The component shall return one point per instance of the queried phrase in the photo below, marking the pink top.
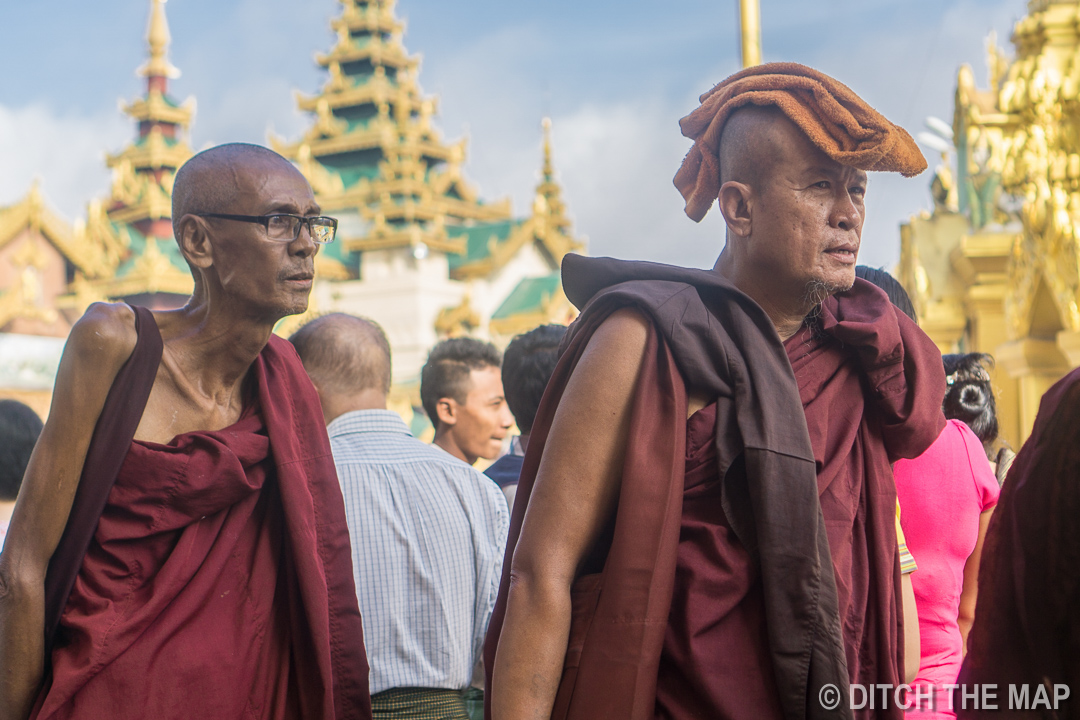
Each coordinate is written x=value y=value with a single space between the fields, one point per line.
x=942 y=493
x=3 y=533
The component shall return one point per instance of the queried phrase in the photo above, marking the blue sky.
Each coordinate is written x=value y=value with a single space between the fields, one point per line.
x=614 y=77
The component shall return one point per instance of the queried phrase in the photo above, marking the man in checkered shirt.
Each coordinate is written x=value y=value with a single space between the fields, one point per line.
x=428 y=531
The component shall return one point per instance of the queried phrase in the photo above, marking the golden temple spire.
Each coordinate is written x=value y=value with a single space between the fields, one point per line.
x=548 y=201
x=750 y=25
x=158 y=38
x=548 y=169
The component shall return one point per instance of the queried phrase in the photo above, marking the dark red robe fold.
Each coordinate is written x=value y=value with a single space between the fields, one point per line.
x=871 y=385
x=219 y=582
x=715 y=661
x=1027 y=618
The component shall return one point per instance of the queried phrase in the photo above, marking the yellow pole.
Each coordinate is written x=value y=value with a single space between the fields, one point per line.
x=750 y=20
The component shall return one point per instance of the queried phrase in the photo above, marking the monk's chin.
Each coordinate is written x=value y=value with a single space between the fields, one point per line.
x=818 y=291
x=293 y=308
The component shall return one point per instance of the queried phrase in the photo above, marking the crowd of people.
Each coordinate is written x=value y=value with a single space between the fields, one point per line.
x=756 y=491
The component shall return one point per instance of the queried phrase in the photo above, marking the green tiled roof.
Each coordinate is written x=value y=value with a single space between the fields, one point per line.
x=352 y=166
x=529 y=296
x=478 y=237
x=169 y=141
x=167 y=247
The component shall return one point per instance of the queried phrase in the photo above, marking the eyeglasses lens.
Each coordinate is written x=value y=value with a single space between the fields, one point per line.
x=287 y=227
x=322 y=229
x=282 y=227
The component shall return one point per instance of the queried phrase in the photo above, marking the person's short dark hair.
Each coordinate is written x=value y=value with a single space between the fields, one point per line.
x=344 y=353
x=892 y=287
x=528 y=362
x=446 y=372
x=19 y=430
x=970 y=396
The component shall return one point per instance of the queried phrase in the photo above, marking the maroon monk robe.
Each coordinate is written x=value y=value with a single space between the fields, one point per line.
x=871 y=384
x=711 y=326
x=1027 y=618
x=219 y=581
x=727 y=348
x=715 y=661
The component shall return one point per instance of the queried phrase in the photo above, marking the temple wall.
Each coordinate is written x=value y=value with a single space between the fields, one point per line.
x=34 y=270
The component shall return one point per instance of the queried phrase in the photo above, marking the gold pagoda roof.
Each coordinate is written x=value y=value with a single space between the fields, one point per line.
x=373 y=149
x=89 y=255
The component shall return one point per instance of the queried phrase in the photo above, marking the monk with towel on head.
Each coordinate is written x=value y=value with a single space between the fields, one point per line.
x=705 y=525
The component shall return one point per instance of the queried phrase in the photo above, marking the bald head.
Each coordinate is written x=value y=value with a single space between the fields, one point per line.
x=211 y=180
x=750 y=144
x=345 y=356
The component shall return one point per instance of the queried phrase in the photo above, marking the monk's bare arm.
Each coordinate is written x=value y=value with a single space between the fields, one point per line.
x=574 y=495
x=970 y=591
x=98 y=346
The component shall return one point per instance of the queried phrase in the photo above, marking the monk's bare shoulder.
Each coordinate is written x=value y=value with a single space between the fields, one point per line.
x=102 y=340
x=618 y=346
x=97 y=347
x=621 y=338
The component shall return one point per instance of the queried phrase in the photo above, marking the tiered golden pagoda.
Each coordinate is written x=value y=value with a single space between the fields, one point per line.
x=1002 y=273
x=377 y=162
x=135 y=222
x=373 y=155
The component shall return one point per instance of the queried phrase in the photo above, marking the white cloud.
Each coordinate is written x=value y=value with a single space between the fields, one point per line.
x=65 y=152
x=617 y=164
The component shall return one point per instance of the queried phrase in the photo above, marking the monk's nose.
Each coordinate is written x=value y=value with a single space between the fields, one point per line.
x=304 y=245
x=846 y=214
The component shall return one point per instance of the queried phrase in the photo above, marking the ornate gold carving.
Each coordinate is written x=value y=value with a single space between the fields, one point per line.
x=25 y=298
x=88 y=255
x=1041 y=95
x=457 y=321
x=81 y=295
x=1016 y=264
x=154 y=108
x=323 y=182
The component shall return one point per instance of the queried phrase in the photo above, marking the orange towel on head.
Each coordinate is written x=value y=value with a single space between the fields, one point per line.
x=834 y=118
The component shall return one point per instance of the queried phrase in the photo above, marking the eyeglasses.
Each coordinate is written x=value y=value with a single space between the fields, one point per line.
x=285 y=227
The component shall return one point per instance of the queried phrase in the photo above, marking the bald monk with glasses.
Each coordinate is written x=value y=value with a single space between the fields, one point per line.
x=179 y=547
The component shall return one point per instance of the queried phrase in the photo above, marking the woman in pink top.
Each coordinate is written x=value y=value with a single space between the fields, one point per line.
x=947 y=495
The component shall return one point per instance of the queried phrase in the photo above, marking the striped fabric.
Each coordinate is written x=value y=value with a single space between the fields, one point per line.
x=418 y=704
x=428 y=535
x=907 y=560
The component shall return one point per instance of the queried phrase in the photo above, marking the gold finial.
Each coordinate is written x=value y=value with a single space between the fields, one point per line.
x=547 y=203
x=34 y=196
x=750 y=20
x=157 y=37
x=996 y=61
x=548 y=169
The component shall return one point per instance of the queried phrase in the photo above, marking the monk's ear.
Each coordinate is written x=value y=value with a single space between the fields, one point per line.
x=194 y=240
x=446 y=409
x=734 y=201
